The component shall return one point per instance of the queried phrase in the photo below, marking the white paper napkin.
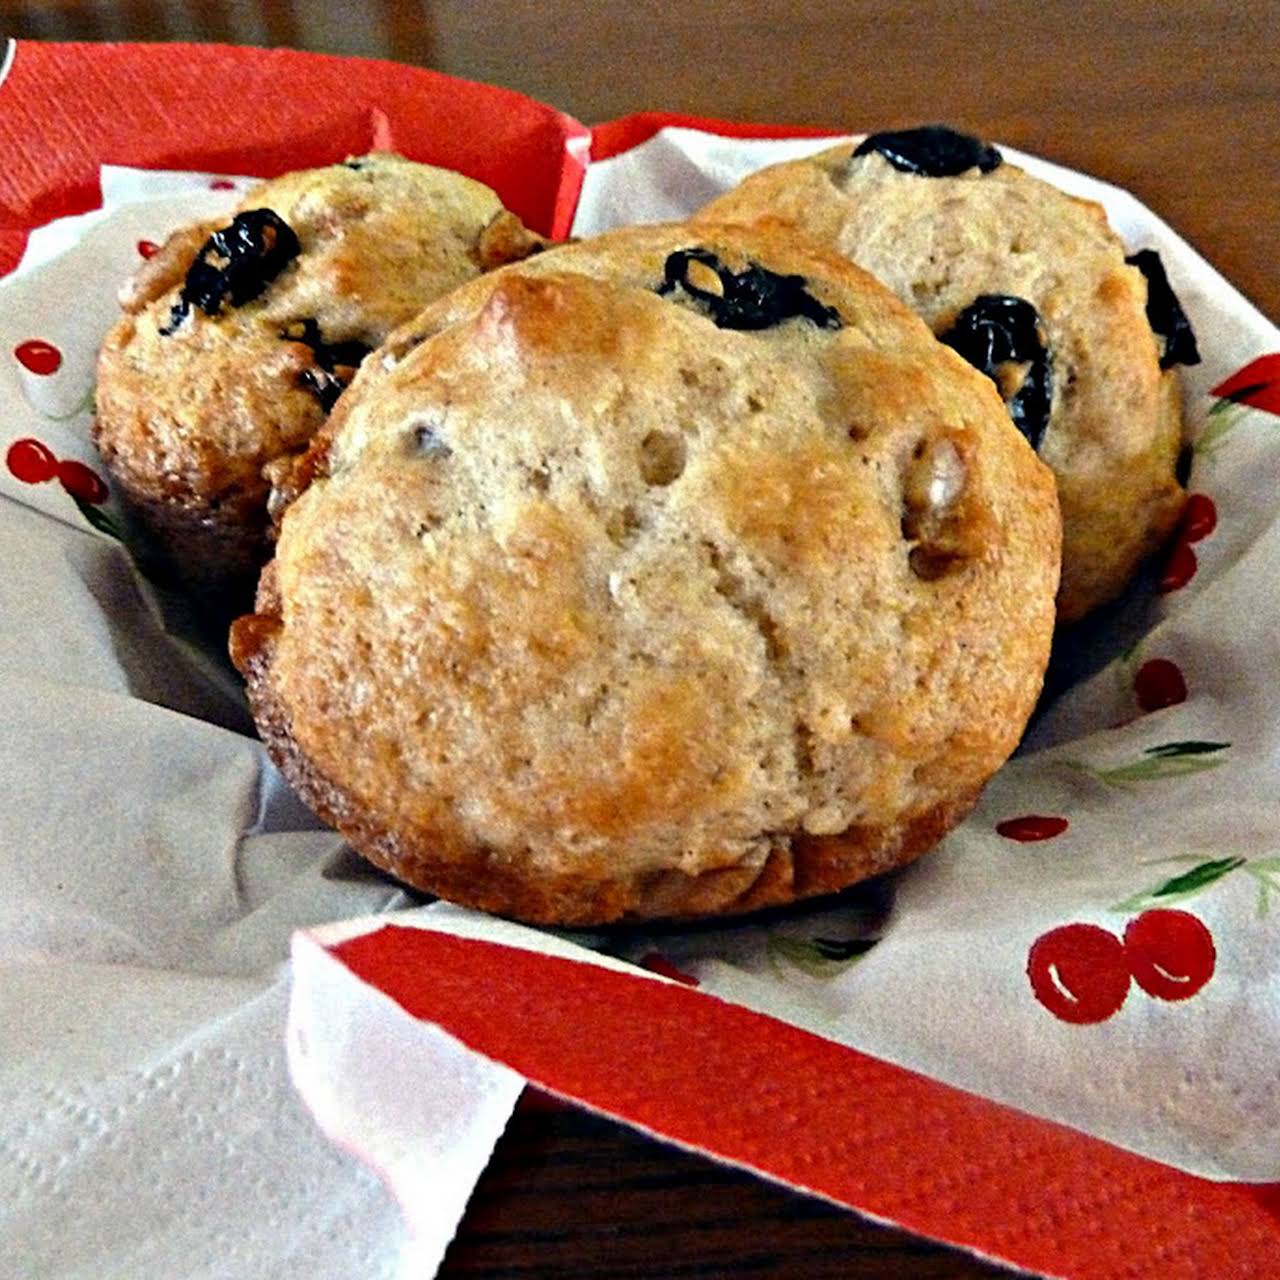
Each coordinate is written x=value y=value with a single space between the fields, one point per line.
x=1168 y=815
x=153 y=866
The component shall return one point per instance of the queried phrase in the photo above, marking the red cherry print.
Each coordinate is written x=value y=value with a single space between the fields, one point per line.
x=1170 y=953
x=38 y=356
x=655 y=962
x=222 y=184
x=1079 y=972
x=1159 y=683
x=147 y=248
x=80 y=482
x=1199 y=517
x=1032 y=826
x=1180 y=569
x=1257 y=384
x=30 y=461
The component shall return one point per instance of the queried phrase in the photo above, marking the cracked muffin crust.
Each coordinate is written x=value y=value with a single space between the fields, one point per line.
x=676 y=572
x=964 y=238
x=235 y=340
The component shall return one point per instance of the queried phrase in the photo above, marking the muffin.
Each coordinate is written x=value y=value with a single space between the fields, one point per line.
x=1033 y=287
x=672 y=573
x=235 y=341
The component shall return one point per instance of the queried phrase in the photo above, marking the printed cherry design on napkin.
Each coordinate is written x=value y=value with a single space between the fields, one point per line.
x=1255 y=386
x=1170 y=953
x=1159 y=683
x=1178 y=570
x=656 y=962
x=83 y=484
x=37 y=356
x=40 y=359
x=1082 y=973
x=31 y=461
x=1079 y=972
x=1032 y=827
x=147 y=248
x=1199 y=520
x=1075 y=969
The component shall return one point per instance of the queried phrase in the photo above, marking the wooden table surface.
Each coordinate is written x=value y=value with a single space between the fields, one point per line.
x=1178 y=101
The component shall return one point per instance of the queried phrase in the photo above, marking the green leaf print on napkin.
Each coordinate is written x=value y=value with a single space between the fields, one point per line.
x=1168 y=760
x=818 y=957
x=98 y=518
x=1202 y=875
x=1218 y=423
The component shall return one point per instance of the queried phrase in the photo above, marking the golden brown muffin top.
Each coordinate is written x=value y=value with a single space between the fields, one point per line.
x=1114 y=427
x=598 y=586
x=193 y=402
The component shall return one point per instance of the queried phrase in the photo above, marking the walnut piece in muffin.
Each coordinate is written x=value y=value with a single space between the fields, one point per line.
x=1032 y=286
x=676 y=572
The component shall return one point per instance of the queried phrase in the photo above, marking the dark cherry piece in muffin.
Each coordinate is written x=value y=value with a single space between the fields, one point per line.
x=1033 y=287
x=237 y=339
x=672 y=573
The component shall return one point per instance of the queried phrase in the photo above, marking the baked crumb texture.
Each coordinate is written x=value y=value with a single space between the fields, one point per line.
x=1114 y=428
x=629 y=585
x=229 y=354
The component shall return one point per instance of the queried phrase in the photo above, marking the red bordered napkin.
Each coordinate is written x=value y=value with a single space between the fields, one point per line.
x=735 y=1084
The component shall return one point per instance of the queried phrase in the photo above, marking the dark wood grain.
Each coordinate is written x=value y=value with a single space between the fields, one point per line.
x=642 y=1209
x=1177 y=101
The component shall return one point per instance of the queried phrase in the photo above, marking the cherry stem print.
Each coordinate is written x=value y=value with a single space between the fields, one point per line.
x=1219 y=422
x=1266 y=871
x=1168 y=760
x=1203 y=873
x=86 y=404
x=1256 y=386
